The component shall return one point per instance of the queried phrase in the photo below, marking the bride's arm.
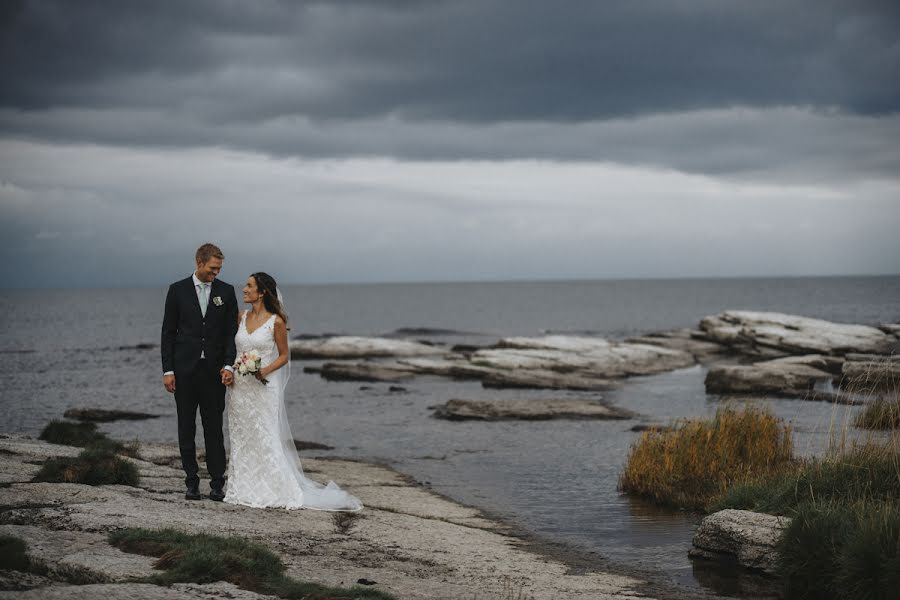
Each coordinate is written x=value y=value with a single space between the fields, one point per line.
x=281 y=342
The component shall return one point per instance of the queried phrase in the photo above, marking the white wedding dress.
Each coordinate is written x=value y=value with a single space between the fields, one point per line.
x=263 y=469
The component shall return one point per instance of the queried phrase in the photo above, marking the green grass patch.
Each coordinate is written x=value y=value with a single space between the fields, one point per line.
x=844 y=538
x=698 y=460
x=201 y=558
x=12 y=554
x=839 y=551
x=881 y=413
x=84 y=435
x=96 y=465
x=870 y=472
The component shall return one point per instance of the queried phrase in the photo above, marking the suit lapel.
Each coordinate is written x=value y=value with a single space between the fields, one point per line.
x=191 y=292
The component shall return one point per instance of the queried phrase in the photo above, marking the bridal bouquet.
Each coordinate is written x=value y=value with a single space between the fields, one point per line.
x=249 y=363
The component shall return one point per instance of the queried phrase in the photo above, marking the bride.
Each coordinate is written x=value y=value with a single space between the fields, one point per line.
x=264 y=470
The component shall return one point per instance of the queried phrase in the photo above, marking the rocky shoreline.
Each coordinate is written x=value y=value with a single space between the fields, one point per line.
x=414 y=543
x=746 y=352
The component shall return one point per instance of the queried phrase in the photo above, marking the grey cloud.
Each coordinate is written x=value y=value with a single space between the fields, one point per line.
x=457 y=60
x=87 y=215
x=780 y=144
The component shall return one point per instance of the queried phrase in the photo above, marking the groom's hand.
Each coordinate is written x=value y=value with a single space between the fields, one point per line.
x=227 y=377
x=169 y=382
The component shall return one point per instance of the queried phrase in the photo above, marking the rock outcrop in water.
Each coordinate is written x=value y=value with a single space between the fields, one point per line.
x=551 y=362
x=344 y=347
x=769 y=334
x=528 y=409
x=691 y=341
x=815 y=359
x=792 y=356
x=810 y=377
x=596 y=357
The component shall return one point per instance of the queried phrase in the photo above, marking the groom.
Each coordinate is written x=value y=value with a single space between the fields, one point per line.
x=197 y=353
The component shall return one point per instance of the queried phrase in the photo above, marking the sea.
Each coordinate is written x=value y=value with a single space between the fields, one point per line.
x=555 y=481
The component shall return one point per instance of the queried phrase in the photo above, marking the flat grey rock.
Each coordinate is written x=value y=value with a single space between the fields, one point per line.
x=685 y=340
x=746 y=536
x=414 y=543
x=527 y=410
x=791 y=377
x=78 y=556
x=592 y=356
x=543 y=379
x=358 y=347
x=759 y=333
x=17 y=580
x=16 y=471
x=364 y=371
x=36 y=450
x=138 y=591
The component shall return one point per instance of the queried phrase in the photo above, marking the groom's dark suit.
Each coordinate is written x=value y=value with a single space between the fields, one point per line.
x=186 y=336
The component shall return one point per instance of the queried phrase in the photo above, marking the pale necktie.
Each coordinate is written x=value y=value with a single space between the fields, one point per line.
x=203 y=298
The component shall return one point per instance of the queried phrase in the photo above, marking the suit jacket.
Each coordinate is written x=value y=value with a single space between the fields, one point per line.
x=186 y=333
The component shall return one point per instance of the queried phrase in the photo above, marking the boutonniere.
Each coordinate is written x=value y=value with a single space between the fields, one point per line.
x=217 y=300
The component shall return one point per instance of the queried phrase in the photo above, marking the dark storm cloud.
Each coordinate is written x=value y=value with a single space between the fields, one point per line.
x=459 y=60
x=787 y=144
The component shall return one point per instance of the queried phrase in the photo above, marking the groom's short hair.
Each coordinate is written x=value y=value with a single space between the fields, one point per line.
x=208 y=251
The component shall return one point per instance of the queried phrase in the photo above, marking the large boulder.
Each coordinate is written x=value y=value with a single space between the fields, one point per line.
x=747 y=537
x=770 y=334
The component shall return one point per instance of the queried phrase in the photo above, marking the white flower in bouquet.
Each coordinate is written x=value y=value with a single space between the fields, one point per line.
x=249 y=363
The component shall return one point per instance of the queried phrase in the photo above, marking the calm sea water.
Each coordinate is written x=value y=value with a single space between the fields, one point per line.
x=63 y=348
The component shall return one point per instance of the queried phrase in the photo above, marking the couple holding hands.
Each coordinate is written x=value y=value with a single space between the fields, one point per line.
x=205 y=338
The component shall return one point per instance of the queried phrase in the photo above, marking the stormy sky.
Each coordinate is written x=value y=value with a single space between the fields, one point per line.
x=381 y=140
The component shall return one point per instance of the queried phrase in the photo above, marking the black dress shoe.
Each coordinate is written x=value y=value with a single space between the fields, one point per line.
x=193 y=493
x=217 y=495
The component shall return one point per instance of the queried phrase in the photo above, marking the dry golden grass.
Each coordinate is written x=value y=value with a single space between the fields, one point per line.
x=700 y=459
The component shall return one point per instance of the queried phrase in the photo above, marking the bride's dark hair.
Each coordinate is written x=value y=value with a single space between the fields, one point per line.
x=265 y=285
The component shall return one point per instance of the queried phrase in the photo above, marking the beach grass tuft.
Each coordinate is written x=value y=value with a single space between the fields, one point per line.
x=867 y=472
x=844 y=538
x=201 y=558
x=698 y=460
x=84 y=435
x=840 y=551
x=96 y=465
x=881 y=413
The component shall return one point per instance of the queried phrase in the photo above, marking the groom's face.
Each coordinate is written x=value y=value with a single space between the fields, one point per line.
x=209 y=270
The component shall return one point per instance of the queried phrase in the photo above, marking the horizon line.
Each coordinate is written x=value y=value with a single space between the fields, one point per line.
x=492 y=281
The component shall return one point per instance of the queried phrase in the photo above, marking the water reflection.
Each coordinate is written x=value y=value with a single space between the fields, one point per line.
x=727 y=578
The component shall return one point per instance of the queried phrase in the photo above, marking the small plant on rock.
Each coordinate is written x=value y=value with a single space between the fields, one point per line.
x=344 y=522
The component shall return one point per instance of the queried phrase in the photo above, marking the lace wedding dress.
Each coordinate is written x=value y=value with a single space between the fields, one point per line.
x=263 y=469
